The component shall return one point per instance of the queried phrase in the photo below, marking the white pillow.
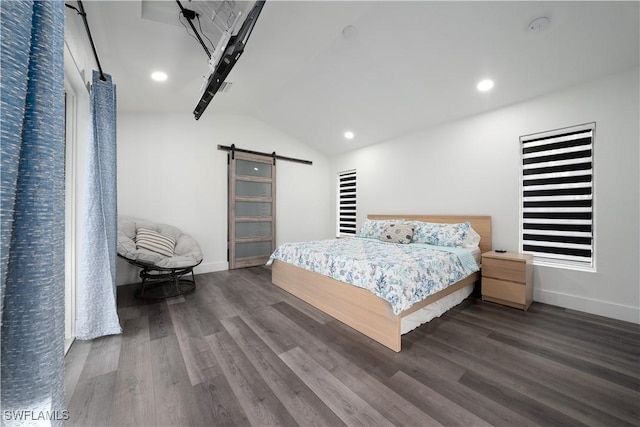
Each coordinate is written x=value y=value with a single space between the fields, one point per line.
x=472 y=239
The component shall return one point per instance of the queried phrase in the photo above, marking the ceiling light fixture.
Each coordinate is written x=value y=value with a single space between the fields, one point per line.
x=485 y=85
x=159 y=76
x=350 y=32
x=349 y=135
x=539 y=25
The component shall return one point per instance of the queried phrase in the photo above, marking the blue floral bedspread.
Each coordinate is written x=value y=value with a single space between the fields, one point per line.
x=402 y=274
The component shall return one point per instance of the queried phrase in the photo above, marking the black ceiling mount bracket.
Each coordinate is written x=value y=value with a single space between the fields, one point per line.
x=189 y=14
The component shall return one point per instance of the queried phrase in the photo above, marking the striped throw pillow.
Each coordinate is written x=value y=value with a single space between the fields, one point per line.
x=154 y=241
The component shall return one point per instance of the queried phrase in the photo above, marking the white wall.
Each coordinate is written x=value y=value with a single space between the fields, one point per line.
x=77 y=45
x=472 y=167
x=170 y=170
x=77 y=132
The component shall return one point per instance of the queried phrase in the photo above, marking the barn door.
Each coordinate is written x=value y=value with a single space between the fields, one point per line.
x=252 y=209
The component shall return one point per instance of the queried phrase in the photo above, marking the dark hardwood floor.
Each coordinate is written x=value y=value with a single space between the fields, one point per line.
x=240 y=351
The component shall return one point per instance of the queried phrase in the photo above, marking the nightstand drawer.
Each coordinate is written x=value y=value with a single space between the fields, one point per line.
x=507 y=291
x=513 y=271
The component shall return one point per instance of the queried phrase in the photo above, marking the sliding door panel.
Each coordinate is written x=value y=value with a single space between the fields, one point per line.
x=253 y=229
x=250 y=168
x=250 y=250
x=251 y=209
x=253 y=189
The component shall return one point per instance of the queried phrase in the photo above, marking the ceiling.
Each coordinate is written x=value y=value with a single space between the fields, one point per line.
x=405 y=66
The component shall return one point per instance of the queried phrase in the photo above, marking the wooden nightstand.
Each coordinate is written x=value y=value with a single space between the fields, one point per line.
x=507 y=278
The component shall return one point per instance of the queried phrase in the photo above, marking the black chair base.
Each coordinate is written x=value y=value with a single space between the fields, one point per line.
x=161 y=283
x=169 y=286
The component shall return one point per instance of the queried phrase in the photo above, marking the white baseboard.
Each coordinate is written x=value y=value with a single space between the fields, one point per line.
x=601 y=308
x=67 y=344
x=211 y=267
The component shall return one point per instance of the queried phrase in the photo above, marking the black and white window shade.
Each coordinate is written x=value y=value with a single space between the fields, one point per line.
x=347 y=203
x=557 y=195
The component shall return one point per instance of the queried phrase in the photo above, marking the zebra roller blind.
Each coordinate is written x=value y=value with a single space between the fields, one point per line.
x=346 y=203
x=557 y=195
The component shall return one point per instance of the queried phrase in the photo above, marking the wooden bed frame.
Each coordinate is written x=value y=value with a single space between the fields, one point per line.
x=360 y=308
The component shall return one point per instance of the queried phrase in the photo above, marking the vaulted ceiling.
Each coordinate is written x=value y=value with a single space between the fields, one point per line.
x=315 y=69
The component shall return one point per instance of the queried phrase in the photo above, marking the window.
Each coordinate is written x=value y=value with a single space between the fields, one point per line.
x=557 y=196
x=346 y=192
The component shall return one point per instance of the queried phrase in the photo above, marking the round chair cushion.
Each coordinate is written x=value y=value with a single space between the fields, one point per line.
x=187 y=252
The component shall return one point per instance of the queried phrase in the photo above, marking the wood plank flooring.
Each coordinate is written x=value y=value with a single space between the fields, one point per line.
x=240 y=351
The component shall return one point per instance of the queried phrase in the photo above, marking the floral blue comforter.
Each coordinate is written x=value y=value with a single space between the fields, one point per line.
x=402 y=274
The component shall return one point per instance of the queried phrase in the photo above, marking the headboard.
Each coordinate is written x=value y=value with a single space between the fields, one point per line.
x=480 y=223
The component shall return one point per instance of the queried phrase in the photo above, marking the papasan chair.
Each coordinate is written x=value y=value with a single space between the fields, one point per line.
x=163 y=252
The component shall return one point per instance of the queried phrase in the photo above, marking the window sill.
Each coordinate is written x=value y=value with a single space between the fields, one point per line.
x=543 y=262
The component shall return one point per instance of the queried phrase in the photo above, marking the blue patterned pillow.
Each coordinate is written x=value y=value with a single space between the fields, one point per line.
x=373 y=228
x=430 y=233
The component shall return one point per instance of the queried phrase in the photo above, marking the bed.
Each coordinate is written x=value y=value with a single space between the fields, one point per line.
x=363 y=310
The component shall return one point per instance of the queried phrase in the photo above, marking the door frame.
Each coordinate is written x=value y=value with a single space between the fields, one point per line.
x=233 y=219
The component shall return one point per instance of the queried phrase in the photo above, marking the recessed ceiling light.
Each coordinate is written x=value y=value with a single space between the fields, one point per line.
x=350 y=32
x=349 y=135
x=485 y=85
x=159 y=76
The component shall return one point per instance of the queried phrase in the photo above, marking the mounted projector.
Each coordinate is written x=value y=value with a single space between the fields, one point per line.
x=225 y=55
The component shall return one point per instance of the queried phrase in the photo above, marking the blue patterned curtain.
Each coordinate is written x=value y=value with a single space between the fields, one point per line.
x=32 y=215
x=96 y=290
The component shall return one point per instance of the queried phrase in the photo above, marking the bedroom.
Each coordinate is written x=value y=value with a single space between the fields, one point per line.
x=396 y=174
x=481 y=143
